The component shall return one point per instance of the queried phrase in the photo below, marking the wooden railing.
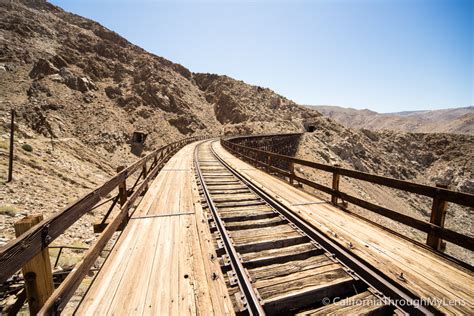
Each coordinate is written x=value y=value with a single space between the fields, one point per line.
x=435 y=228
x=16 y=253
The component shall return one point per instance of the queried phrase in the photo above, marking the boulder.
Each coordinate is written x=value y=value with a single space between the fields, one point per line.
x=74 y=82
x=113 y=92
x=43 y=68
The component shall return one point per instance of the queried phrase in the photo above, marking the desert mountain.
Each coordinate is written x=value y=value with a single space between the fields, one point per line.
x=80 y=90
x=68 y=76
x=457 y=120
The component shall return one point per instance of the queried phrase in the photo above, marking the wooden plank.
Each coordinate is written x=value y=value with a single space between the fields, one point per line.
x=438 y=215
x=282 y=269
x=136 y=281
x=37 y=272
x=17 y=252
x=364 y=303
x=212 y=294
x=446 y=234
x=61 y=296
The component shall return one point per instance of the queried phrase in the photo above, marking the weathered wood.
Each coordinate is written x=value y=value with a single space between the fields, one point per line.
x=122 y=187
x=145 y=172
x=10 y=156
x=440 y=194
x=161 y=264
x=20 y=250
x=17 y=252
x=14 y=309
x=65 y=291
x=279 y=270
x=364 y=303
x=36 y=272
x=427 y=274
x=302 y=289
x=292 y=173
x=438 y=214
x=335 y=186
x=447 y=195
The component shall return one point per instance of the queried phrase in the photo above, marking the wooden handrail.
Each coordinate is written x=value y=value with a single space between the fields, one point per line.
x=434 y=230
x=16 y=253
x=461 y=198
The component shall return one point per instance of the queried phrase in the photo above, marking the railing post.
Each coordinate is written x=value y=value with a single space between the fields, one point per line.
x=10 y=157
x=122 y=188
x=438 y=215
x=335 y=185
x=145 y=174
x=36 y=272
x=292 y=172
x=123 y=195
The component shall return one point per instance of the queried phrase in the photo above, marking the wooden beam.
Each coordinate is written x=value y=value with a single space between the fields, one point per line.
x=12 y=136
x=438 y=214
x=292 y=173
x=335 y=185
x=36 y=272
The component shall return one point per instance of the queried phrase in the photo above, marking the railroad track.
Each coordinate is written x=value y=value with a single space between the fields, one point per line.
x=274 y=263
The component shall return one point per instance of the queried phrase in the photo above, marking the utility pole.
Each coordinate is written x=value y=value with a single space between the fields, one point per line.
x=10 y=158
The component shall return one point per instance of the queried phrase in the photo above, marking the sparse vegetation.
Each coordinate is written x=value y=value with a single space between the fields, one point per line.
x=27 y=147
x=8 y=210
x=4 y=144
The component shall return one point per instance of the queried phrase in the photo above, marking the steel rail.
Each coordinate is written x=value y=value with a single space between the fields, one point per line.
x=407 y=301
x=254 y=306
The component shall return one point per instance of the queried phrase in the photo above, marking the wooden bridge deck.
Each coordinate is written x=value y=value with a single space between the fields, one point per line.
x=161 y=263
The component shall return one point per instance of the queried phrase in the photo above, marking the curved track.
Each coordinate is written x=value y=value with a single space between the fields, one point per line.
x=275 y=263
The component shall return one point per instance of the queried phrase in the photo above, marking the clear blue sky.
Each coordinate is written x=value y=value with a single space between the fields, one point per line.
x=387 y=55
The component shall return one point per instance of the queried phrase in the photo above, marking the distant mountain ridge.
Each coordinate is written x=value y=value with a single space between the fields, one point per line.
x=454 y=120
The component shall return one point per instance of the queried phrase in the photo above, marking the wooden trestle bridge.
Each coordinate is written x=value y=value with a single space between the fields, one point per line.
x=221 y=227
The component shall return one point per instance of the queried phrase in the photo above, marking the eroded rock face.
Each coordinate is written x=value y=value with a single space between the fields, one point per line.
x=113 y=92
x=228 y=110
x=82 y=84
x=43 y=68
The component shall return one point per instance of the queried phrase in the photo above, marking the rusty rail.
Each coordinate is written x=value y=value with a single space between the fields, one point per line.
x=435 y=230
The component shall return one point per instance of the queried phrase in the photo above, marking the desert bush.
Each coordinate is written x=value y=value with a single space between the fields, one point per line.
x=27 y=147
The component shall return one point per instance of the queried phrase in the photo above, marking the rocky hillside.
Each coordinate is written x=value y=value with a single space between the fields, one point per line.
x=421 y=158
x=80 y=90
x=68 y=76
x=458 y=120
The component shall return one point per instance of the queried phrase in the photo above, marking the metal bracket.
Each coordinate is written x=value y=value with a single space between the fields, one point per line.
x=351 y=273
x=220 y=251
x=241 y=302
x=232 y=278
x=315 y=244
x=332 y=256
x=212 y=227
x=226 y=260
x=45 y=237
